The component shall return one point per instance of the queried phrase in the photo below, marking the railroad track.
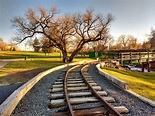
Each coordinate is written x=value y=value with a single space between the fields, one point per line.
x=76 y=94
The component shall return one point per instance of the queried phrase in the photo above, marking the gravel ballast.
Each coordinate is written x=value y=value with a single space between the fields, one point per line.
x=135 y=106
x=35 y=102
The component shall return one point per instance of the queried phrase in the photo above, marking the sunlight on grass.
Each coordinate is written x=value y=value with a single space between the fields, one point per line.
x=24 y=70
x=29 y=65
x=139 y=82
x=29 y=55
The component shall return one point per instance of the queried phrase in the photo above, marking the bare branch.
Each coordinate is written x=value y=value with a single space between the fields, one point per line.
x=62 y=30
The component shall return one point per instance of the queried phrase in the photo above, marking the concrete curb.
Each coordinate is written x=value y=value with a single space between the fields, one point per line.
x=111 y=78
x=7 y=107
x=124 y=86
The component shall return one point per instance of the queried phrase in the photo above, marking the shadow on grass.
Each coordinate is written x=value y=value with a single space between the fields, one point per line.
x=20 y=77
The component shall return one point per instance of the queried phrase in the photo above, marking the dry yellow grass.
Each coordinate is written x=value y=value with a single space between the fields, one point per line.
x=139 y=82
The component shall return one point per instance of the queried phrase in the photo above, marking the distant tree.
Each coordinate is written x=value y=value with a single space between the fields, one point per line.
x=36 y=45
x=85 y=49
x=146 y=45
x=30 y=43
x=46 y=45
x=3 y=45
x=139 y=46
x=101 y=45
x=60 y=29
x=126 y=42
x=152 y=38
x=1 y=40
x=132 y=44
x=96 y=46
x=7 y=46
x=111 y=44
x=13 y=47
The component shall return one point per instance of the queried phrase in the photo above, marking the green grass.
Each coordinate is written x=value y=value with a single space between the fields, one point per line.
x=24 y=70
x=36 y=56
x=32 y=64
x=139 y=82
x=29 y=55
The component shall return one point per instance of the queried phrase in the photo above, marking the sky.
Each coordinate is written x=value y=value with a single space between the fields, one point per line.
x=131 y=17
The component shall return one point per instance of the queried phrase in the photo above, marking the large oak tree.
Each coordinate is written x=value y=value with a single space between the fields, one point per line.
x=62 y=30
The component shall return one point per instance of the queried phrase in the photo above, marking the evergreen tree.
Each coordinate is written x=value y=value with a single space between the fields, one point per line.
x=36 y=45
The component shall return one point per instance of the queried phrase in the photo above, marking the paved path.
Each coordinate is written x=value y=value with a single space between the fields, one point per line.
x=3 y=63
x=5 y=91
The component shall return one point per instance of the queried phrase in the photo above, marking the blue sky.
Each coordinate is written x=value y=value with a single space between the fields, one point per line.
x=131 y=17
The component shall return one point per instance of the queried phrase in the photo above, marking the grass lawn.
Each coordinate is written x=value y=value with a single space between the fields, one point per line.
x=29 y=55
x=22 y=71
x=139 y=82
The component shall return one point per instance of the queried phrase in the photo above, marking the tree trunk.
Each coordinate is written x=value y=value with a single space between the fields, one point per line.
x=75 y=52
x=65 y=57
x=72 y=56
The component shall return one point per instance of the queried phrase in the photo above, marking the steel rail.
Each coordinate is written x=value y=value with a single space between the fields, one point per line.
x=70 y=109
x=108 y=106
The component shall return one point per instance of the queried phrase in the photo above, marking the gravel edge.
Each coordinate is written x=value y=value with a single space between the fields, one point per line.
x=123 y=98
x=35 y=102
x=124 y=86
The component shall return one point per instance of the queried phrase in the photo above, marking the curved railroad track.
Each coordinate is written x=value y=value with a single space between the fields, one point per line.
x=79 y=95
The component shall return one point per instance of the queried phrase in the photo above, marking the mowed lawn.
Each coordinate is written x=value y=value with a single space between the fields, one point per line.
x=29 y=55
x=6 y=55
x=24 y=70
x=139 y=82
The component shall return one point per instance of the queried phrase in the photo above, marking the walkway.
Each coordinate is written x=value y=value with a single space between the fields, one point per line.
x=3 y=63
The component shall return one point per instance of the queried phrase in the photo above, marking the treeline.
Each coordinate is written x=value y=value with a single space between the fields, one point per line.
x=42 y=44
x=71 y=33
x=7 y=46
x=124 y=42
x=67 y=32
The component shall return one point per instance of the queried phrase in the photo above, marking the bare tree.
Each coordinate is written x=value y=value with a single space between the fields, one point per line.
x=127 y=42
x=146 y=45
x=13 y=47
x=123 y=41
x=61 y=30
x=85 y=49
x=111 y=44
x=90 y=27
x=3 y=45
x=132 y=44
x=101 y=45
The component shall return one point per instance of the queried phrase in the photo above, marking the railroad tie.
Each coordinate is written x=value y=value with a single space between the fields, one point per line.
x=78 y=100
x=79 y=88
